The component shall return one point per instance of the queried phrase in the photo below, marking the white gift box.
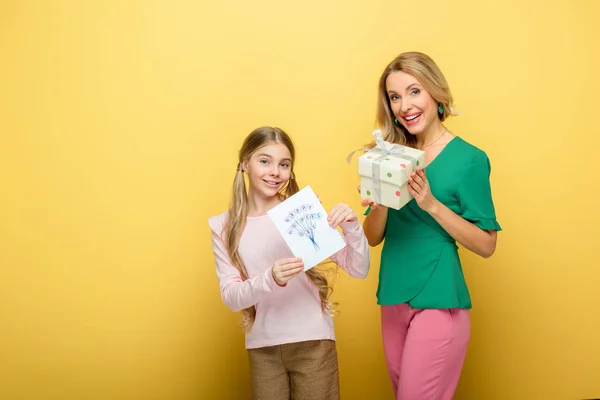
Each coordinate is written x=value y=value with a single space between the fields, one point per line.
x=384 y=172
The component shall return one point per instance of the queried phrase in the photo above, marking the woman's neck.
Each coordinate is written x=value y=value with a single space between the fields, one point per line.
x=433 y=133
x=259 y=205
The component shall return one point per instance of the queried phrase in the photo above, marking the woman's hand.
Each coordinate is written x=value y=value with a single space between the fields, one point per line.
x=375 y=222
x=285 y=269
x=369 y=202
x=341 y=213
x=418 y=187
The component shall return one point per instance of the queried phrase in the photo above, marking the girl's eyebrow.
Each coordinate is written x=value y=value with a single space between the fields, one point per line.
x=268 y=156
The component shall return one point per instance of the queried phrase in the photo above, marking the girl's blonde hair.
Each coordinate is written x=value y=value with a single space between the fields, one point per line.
x=238 y=211
x=422 y=67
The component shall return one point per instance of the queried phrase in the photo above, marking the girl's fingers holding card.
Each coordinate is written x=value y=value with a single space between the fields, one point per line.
x=292 y=272
x=337 y=219
x=287 y=263
x=333 y=213
x=350 y=216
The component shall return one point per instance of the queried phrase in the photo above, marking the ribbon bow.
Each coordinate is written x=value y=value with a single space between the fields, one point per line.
x=380 y=146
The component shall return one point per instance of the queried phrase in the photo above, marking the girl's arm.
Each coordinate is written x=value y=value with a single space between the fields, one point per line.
x=355 y=257
x=236 y=293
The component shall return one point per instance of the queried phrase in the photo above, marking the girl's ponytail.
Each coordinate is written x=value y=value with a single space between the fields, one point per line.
x=238 y=211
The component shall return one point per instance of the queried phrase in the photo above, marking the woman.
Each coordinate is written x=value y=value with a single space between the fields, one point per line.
x=423 y=295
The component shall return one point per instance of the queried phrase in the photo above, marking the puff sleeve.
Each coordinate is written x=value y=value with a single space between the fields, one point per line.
x=475 y=193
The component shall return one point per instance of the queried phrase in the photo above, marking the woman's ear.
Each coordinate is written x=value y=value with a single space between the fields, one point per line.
x=245 y=165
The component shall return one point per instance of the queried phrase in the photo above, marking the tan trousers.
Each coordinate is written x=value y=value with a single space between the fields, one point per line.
x=298 y=371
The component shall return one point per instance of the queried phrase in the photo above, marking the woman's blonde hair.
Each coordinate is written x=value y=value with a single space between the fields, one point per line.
x=422 y=67
x=238 y=211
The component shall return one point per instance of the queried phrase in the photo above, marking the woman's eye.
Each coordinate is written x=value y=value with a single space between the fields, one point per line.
x=415 y=92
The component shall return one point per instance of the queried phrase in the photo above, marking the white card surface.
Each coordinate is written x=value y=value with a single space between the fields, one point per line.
x=302 y=222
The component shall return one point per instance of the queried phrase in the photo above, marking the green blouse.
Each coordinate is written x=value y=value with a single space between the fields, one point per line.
x=419 y=261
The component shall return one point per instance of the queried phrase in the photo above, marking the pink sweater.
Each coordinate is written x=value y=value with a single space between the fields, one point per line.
x=283 y=314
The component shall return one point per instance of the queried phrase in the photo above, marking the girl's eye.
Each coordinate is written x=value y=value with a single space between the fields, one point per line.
x=285 y=165
x=263 y=161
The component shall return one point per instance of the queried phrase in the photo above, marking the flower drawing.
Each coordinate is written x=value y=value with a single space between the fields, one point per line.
x=302 y=221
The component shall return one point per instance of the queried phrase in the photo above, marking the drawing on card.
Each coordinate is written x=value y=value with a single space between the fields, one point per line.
x=301 y=221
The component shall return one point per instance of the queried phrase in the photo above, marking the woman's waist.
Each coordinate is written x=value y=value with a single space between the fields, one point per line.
x=418 y=239
x=418 y=250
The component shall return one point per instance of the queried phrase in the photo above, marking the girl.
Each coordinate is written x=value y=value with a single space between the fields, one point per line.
x=286 y=311
x=422 y=291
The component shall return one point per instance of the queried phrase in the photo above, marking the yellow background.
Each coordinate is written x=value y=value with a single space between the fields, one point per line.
x=120 y=122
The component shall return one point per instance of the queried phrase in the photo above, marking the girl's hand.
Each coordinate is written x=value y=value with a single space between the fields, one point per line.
x=369 y=202
x=418 y=187
x=341 y=213
x=285 y=269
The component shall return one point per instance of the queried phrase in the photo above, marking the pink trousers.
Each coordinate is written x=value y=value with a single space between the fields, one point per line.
x=424 y=350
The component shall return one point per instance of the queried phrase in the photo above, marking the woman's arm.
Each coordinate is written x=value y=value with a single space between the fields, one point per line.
x=464 y=232
x=375 y=222
x=469 y=235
